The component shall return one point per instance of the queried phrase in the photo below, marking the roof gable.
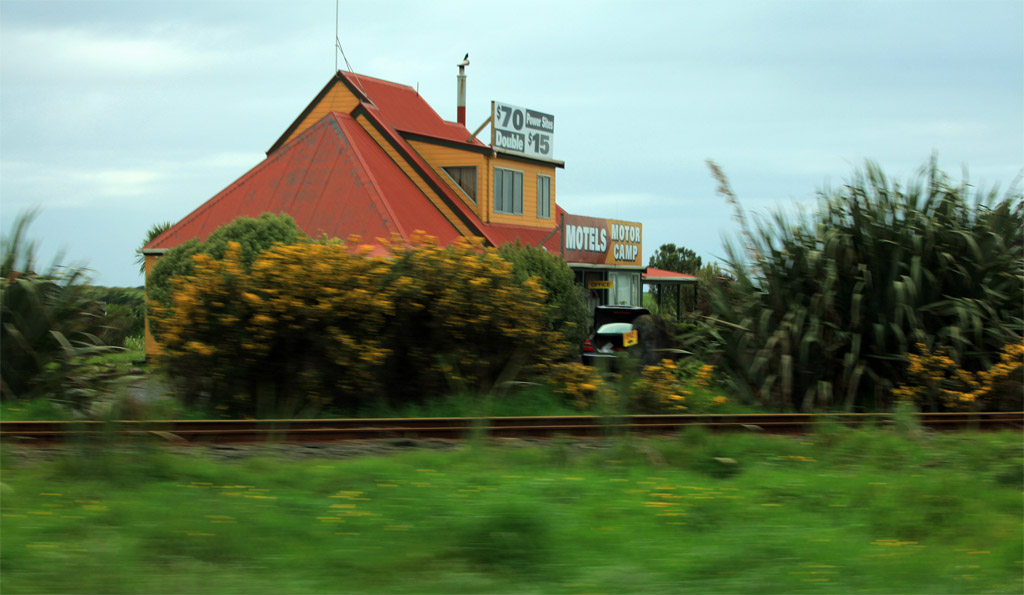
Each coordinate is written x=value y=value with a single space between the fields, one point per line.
x=400 y=106
x=332 y=179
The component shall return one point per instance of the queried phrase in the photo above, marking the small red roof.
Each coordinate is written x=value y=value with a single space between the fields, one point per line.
x=663 y=276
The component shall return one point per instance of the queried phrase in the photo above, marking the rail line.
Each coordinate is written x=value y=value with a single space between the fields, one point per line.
x=332 y=430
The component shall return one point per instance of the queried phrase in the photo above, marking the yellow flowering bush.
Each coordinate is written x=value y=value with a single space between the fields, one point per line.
x=659 y=390
x=677 y=387
x=936 y=382
x=576 y=384
x=297 y=332
x=461 y=322
x=320 y=324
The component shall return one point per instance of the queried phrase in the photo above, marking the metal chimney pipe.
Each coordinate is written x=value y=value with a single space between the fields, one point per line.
x=460 y=115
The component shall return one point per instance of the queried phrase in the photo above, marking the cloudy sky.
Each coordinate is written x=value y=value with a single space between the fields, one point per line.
x=115 y=115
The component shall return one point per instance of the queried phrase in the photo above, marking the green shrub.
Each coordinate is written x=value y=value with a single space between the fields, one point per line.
x=567 y=309
x=125 y=312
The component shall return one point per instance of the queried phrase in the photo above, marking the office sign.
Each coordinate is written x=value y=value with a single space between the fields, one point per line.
x=520 y=130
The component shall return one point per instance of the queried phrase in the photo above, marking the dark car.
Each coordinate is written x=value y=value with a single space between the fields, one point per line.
x=613 y=333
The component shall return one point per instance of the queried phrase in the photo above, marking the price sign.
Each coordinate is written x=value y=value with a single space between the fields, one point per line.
x=522 y=130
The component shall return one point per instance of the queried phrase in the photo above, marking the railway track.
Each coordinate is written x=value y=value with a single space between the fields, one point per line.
x=332 y=430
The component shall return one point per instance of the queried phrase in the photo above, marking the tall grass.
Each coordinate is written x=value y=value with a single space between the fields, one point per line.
x=854 y=511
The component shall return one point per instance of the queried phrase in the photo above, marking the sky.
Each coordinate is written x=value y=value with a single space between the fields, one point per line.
x=115 y=115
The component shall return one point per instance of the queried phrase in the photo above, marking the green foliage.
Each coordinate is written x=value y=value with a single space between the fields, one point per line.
x=49 y=328
x=154 y=231
x=825 y=307
x=125 y=309
x=567 y=308
x=253 y=236
x=679 y=259
x=507 y=537
x=871 y=511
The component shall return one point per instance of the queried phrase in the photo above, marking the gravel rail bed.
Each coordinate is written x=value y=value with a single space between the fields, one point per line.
x=23 y=455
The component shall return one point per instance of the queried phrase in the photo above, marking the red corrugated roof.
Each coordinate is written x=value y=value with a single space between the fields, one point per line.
x=335 y=179
x=530 y=236
x=653 y=274
x=405 y=110
x=455 y=204
x=332 y=179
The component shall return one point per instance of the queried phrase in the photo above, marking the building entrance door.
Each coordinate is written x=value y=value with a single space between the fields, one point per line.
x=625 y=289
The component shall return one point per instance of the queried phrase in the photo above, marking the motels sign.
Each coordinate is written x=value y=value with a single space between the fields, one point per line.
x=602 y=241
x=522 y=130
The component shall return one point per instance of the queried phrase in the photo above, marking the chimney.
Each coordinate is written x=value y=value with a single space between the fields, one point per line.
x=461 y=109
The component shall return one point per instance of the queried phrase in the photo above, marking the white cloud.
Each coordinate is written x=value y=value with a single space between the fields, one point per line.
x=82 y=52
x=27 y=183
x=119 y=183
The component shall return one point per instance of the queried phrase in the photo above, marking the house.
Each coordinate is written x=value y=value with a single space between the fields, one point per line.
x=371 y=158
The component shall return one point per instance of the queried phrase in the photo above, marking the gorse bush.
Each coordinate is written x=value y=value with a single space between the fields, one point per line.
x=825 y=307
x=935 y=382
x=299 y=328
x=315 y=325
x=253 y=235
x=576 y=384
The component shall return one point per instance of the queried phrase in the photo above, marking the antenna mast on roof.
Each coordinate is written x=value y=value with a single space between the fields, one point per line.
x=338 y=49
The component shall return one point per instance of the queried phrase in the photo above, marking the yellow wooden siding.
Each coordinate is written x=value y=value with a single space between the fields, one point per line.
x=338 y=99
x=415 y=177
x=440 y=156
x=530 y=171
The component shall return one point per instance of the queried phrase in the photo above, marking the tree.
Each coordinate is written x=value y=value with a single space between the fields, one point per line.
x=154 y=231
x=827 y=305
x=678 y=259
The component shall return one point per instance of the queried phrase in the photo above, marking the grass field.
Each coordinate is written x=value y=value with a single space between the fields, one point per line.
x=841 y=511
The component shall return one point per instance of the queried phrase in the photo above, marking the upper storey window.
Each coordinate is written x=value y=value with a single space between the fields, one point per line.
x=543 y=196
x=465 y=177
x=508 y=191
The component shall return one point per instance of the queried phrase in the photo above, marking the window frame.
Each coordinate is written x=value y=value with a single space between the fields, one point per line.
x=458 y=180
x=544 y=198
x=501 y=197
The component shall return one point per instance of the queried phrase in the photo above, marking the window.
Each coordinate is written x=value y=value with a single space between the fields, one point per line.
x=508 y=191
x=544 y=196
x=465 y=177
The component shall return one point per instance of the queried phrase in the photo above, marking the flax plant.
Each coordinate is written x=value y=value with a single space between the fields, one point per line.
x=827 y=304
x=49 y=328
